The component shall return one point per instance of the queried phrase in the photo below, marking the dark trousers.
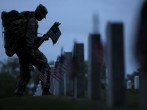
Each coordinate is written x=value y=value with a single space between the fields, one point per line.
x=36 y=59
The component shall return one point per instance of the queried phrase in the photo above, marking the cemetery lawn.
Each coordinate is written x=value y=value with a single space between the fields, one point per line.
x=65 y=103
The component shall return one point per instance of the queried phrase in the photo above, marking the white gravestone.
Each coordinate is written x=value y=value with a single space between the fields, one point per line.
x=129 y=84
x=136 y=82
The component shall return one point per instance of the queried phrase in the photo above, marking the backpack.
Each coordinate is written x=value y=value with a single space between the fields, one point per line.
x=14 y=25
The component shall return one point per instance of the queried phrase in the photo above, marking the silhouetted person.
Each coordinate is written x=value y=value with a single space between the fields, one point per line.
x=29 y=54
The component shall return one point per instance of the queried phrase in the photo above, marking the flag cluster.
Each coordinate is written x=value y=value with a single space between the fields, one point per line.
x=59 y=68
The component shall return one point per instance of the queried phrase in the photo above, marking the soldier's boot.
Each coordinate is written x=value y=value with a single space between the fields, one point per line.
x=45 y=91
x=45 y=83
x=21 y=86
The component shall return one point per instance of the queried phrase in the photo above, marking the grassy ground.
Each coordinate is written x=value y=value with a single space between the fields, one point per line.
x=65 y=103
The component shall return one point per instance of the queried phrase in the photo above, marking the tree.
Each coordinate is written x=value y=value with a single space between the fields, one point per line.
x=9 y=71
x=10 y=66
x=7 y=85
x=135 y=73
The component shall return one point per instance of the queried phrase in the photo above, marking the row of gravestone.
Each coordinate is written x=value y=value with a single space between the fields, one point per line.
x=68 y=76
x=67 y=73
x=133 y=84
x=69 y=79
x=73 y=80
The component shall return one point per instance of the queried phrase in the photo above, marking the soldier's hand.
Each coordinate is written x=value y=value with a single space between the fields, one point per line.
x=45 y=37
x=57 y=24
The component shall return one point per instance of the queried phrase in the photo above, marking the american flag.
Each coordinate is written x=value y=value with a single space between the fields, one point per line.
x=57 y=71
x=54 y=32
x=59 y=68
x=43 y=78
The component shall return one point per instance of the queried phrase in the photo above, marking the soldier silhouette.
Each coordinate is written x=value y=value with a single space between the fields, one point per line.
x=29 y=54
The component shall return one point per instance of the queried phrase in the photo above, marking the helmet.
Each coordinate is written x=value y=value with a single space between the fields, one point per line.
x=42 y=10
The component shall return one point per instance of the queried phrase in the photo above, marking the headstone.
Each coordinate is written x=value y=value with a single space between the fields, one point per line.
x=51 y=79
x=68 y=81
x=61 y=87
x=143 y=90
x=115 y=64
x=141 y=52
x=57 y=87
x=79 y=81
x=136 y=82
x=58 y=76
x=129 y=84
x=96 y=23
x=95 y=62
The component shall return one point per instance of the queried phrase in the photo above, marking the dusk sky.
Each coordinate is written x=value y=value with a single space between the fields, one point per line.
x=75 y=17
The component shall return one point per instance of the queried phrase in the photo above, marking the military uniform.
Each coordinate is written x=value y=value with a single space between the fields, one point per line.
x=30 y=55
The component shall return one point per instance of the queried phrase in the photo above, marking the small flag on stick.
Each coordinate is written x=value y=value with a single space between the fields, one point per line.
x=54 y=32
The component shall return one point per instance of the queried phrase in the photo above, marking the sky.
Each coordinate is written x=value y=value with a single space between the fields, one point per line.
x=76 y=18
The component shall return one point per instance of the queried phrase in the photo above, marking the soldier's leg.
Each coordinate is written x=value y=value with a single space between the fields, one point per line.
x=24 y=76
x=40 y=62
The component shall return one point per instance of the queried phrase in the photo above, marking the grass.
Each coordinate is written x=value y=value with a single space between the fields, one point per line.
x=65 y=103
x=132 y=99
